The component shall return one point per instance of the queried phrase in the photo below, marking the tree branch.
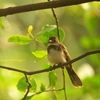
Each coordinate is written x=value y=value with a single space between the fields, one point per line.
x=48 y=69
x=54 y=67
x=40 y=6
x=28 y=88
x=56 y=20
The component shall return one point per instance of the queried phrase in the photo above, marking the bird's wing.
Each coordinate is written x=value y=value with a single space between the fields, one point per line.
x=73 y=76
x=67 y=56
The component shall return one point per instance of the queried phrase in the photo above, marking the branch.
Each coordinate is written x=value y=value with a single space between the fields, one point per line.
x=54 y=67
x=56 y=19
x=28 y=88
x=49 y=69
x=57 y=24
x=40 y=6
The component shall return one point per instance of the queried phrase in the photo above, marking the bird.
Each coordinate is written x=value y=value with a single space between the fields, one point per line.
x=57 y=54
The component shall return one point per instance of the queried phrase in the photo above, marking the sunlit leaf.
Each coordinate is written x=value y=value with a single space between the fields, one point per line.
x=33 y=83
x=48 y=28
x=52 y=78
x=48 y=31
x=47 y=65
x=20 y=39
x=39 y=54
x=42 y=87
x=30 y=28
x=22 y=84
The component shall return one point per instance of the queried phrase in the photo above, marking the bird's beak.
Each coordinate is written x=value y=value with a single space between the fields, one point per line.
x=50 y=41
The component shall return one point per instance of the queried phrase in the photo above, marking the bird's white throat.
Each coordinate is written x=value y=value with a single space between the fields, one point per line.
x=56 y=56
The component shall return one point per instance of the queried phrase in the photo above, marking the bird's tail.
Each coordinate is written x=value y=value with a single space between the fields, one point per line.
x=74 y=77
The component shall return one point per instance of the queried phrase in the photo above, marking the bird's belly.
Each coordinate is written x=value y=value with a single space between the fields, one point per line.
x=56 y=57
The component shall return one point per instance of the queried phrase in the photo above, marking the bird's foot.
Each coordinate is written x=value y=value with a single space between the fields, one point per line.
x=54 y=66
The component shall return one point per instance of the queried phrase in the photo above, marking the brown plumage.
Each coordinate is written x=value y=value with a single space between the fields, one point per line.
x=57 y=53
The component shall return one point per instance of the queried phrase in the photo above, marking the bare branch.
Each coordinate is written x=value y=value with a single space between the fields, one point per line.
x=14 y=69
x=40 y=6
x=54 y=67
x=28 y=88
x=56 y=19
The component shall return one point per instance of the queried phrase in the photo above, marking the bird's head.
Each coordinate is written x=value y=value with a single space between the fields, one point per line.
x=53 y=39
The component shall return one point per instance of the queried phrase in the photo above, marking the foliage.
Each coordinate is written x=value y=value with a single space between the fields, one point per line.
x=22 y=84
x=39 y=54
x=20 y=39
x=46 y=32
x=42 y=36
x=52 y=79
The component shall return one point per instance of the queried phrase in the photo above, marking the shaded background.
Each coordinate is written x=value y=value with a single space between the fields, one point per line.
x=81 y=24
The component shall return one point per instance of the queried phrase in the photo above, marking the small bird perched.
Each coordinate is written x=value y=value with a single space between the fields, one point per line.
x=57 y=54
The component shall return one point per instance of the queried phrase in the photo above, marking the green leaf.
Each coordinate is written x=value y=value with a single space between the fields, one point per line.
x=42 y=87
x=52 y=78
x=48 y=31
x=22 y=84
x=48 y=27
x=47 y=65
x=40 y=54
x=30 y=28
x=20 y=39
x=33 y=83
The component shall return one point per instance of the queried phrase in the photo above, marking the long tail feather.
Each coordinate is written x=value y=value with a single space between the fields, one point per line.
x=74 y=78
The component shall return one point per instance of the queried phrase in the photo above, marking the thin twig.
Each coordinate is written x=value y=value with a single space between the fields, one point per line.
x=28 y=88
x=64 y=86
x=40 y=6
x=54 y=90
x=39 y=92
x=51 y=68
x=57 y=22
